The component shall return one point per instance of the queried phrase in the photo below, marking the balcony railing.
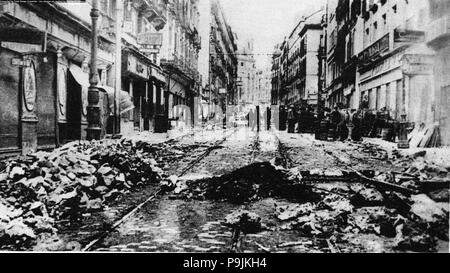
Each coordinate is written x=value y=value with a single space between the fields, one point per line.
x=438 y=28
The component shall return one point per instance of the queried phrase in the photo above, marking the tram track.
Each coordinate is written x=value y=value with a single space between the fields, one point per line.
x=160 y=191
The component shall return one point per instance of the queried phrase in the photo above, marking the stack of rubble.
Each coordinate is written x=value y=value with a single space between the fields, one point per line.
x=250 y=183
x=415 y=173
x=365 y=210
x=39 y=189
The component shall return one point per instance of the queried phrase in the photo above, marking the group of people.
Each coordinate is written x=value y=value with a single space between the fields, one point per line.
x=345 y=124
x=263 y=116
x=354 y=124
x=304 y=119
x=341 y=123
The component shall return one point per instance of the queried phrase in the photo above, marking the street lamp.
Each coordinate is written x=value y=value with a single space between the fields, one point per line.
x=93 y=110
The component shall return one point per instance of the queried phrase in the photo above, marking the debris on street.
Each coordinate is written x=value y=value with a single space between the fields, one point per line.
x=250 y=183
x=45 y=187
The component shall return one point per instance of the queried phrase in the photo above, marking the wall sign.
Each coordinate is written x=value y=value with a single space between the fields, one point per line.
x=137 y=67
x=375 y=49
x=62 y=92
x=84 y=99
x=29 y=87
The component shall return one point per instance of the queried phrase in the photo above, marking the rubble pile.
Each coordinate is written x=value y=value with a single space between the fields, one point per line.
x=373 y=150
x=45 y=187
x=250 y=183
x=417 y=174
x=167 y=154
x=367 y=212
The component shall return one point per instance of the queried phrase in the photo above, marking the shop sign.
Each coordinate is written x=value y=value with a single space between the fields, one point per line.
x=150 y=39
x=137 y=67
x=376 y=49
x=23 y=39
x=20 y=62
x=21 y=47
x=29 y=87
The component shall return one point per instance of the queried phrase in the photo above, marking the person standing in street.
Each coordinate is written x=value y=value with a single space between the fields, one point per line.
x=335 y=119
x=350 y=123
x=342 y=126
x=291 y=120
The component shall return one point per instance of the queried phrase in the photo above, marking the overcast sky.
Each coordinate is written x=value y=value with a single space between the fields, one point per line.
x=266 y=21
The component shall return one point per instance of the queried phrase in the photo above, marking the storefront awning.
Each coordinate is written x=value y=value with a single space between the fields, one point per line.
x=125 y=104
x=81 y=77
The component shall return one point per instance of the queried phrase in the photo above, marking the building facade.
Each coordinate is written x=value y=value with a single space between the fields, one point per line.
x=45 y=52
x=389 y=55
x=275 y=73
x=246 y=74
x=45 y=73
x=296 y=83
x=217 y=60
x=179 y=60
x=263 y=87
x=438 y=39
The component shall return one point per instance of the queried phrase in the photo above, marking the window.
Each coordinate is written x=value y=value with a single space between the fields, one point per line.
x=375 y=31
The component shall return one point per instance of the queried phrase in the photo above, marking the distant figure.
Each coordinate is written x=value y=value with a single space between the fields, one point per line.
x=269 y=118
x=342 y=126
x=301 y=120
x=252 y=117
x=277 y=117
x=356 y=120
x=350 y=125
x=335 y=119
x=291 y=120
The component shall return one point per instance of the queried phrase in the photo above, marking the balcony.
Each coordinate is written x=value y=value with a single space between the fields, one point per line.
x=438 y=30
x=183 y=66
x=152 y=12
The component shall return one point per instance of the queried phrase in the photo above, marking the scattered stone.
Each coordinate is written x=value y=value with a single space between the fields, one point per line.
x=427 y=209
x=245 y=221
x=419 y=154
x=365 y=196
x=16 y=172
x=286 y=213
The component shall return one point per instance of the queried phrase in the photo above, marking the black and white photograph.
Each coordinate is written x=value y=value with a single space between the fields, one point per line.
x=227 y=127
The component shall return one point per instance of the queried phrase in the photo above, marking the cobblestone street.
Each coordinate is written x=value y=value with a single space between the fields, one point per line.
x=225 y=126
x=173 y=224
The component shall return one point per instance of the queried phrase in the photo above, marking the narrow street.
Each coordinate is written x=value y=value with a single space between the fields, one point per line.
x=179 y=222
x=225 y=126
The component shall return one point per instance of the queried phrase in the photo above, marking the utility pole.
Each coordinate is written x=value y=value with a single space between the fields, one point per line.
x=118 y=66
x=209 y=69
x=94 y=127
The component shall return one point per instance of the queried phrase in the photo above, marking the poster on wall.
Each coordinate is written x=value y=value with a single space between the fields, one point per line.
x=62 y=94
x=29 y=87
x=84 y=99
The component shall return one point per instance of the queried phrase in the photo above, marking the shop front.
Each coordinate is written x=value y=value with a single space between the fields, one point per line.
x=144 y=82
x=44 y=77
x=27 y=114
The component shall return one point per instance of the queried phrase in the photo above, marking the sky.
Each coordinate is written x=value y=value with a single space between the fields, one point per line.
x=266 y=21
